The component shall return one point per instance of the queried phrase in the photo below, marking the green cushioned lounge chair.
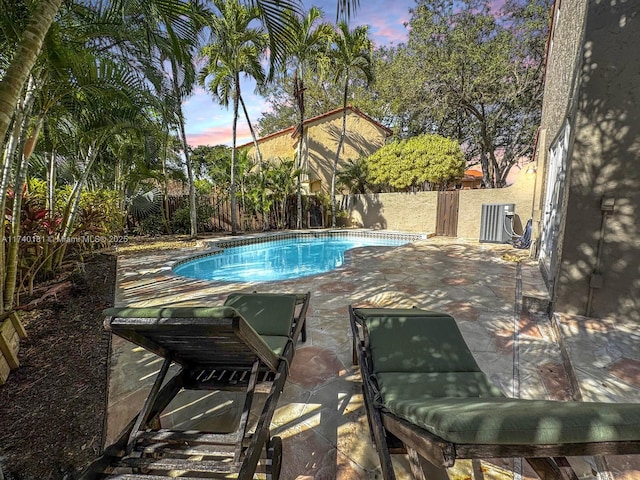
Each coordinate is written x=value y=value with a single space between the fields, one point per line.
x=245 y=345
x=425 y=394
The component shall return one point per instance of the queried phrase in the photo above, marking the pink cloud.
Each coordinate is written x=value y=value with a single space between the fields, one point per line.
x=386 y=20
x=219 y=136
x=386 y=34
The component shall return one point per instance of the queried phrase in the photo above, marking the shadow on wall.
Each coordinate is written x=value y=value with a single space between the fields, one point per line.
x=605 y=165
x=365 y=211
x=320 y=163
x=322 y=150
x=354 y=141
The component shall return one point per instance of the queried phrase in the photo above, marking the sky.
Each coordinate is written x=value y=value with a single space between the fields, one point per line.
x=208 y=123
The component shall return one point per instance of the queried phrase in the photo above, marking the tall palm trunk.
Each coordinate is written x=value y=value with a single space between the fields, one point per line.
x=24 y=58
x=165 y=185
x=74 y=204
x=8 y=154
x=193 y=208
x=10 y=263
x=234 y=131
x=298 y=92
x=298 y=179
x=193 y=215
x=14 y=245
x=253 y=133
x=343 y=133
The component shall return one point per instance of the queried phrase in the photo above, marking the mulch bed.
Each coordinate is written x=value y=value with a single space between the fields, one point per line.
x=52 y=408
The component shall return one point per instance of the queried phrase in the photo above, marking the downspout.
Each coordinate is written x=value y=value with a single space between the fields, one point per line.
x=596 y=281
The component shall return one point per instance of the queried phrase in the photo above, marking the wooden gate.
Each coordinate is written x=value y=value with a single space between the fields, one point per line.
x=447 y=215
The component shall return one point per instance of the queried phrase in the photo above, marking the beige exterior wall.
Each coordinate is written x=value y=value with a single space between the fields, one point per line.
x=417 y=212
x=406 y=212
x=562 y=79
x=471 y=201
x=363 y=138
x=280 y=146
x=598 y=272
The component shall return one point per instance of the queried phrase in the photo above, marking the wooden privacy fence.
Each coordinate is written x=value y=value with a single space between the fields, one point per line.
x=218 y=208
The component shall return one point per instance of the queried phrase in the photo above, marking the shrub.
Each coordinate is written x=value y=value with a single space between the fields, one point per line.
x=181 y=220
x=152 y=225
x=426 y=160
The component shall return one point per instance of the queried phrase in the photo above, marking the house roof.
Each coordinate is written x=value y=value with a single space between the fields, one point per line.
x=473 y=173
x=293 y=129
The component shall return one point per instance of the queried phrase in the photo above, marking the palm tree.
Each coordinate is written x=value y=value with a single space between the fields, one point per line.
x=182 y=81
x=163 y=38
x=84 y=88
x=279 y=25
x=353 y=176
x=24 y=59
x=236 y=49
x=350 y=56
x=43 y=15
x=310 y=41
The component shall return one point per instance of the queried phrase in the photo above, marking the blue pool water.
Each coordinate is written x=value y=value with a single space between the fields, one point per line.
x=278 y=260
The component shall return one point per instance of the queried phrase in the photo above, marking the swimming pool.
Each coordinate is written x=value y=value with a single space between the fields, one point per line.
x=279 y=260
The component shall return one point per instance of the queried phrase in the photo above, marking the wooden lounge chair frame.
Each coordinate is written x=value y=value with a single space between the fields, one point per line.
x=392 y=434
x=179 y=336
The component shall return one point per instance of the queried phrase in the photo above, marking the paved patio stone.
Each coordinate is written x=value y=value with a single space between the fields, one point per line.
x=320 y=416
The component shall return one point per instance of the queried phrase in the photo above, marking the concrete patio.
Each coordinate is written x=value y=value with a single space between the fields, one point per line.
x=496 y=301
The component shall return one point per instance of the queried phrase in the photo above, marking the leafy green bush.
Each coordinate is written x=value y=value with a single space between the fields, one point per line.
x=107 y=215
x=429 y=161
x=203 y=187
x=181 y=220
x=100 y=211
x=151 y=225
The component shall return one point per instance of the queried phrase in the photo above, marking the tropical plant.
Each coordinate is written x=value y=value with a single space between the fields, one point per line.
x=212 y=163
x=354 y=176
x=181 y=219
x=281 y=184
x=41 y=18
x=350 y=56
x=26 y=53
x=81 y=95
x=182 y=82
x=310 y=41
x=236 y=48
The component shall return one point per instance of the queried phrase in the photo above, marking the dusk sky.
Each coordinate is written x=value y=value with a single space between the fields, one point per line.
x=208 y=123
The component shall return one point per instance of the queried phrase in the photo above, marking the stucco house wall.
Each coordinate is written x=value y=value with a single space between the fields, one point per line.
x=406 y=212
x=598 y=272
x=562 y=79
x=321 y=137
x=417 y=212
x=471 y=201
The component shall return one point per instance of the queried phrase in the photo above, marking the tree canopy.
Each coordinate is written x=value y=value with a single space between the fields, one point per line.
x=467 y=71
x=482 y=76
x=425 y=160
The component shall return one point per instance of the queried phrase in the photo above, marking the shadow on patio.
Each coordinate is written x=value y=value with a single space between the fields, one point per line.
x=320 y=416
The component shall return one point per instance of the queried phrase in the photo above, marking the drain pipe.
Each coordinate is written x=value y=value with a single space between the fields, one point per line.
x=596 y=281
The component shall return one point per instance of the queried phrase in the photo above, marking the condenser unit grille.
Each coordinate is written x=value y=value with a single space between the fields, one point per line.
x=496 y=224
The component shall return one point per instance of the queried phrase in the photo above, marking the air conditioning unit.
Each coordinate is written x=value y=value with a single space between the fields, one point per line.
x=496 y=222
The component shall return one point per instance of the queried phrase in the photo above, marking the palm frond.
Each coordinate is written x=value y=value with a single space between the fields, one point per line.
x=144 y=203
x=280 y=28
x=346 y=9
